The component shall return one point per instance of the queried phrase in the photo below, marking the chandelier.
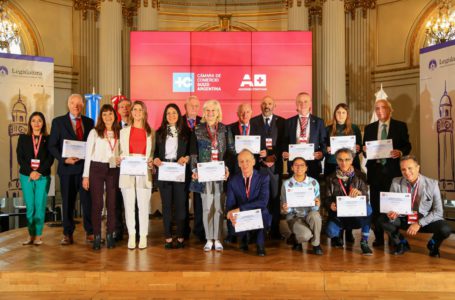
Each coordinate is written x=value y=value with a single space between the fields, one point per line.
x=442 y=28
x=9 y=31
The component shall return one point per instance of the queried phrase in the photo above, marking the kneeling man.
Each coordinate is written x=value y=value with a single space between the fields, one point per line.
x=426 y=205
x=249 y=190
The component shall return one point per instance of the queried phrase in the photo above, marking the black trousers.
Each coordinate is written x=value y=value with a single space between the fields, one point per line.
x=440 y=229
x=173 y=195
x=274 y=198
x=198 y=225
x=70 y=185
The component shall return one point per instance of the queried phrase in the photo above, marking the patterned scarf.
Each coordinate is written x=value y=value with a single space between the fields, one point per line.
x=172 y=131
x=345 y=176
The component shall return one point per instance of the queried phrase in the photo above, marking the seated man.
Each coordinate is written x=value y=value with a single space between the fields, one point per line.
x=347 y=181
x=427 y=207
x=249 y=190
x=304 y=222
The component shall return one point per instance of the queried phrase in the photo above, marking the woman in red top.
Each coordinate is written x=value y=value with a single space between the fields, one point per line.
x=138 y=140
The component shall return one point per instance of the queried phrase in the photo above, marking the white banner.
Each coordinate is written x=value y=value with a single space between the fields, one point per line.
x=26 y=85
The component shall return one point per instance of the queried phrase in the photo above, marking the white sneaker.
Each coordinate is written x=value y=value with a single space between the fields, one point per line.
x=218 y=246
x=132 y=241
x=142 y=242
x=208 y=246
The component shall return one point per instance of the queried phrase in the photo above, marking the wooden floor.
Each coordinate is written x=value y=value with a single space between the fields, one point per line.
x=77 y=272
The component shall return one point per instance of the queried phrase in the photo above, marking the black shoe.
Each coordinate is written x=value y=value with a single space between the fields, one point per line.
x=434 y=251
x=110 y=241
x=401 y=248
x=317 y=250
x=230 y=239
x=260 y=250
x=97 y=242
x=168 y=245
x=297 y=247
x=365 y=248
x=349 y=237
x=118 y=236
x=336 y=242
x=180 y=244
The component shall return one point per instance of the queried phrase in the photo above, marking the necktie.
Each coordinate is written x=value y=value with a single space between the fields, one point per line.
x=384 y=137
x=303 y=125
x=247 y=186
x=191 y=123
x=243 y=129
x=79 y=132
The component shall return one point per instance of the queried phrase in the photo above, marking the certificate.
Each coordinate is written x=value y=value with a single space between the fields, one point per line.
x=134 y=165
x=171 y=171
x=250 y=142
x=73 y=149
x=379 y=149
x=340 y=142
x=352 y=207
x=300 y=197
x=211 y=171
x=248 y=220
x=397 y=202
x=306 y=151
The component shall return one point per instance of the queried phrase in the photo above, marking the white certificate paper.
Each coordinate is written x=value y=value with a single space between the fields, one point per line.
x=211 y=171
x=352 y=207
x=379 y=149
x=134 y=165
x=250 y=142
x=340 y=142
x=248 y=220
x=171 y=171
x=300 y=197
x=73 y=149
x=306 y=151
x=397 y=202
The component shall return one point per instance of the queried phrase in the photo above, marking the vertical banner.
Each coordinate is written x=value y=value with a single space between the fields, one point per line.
x=437 y=93
x=26 y=85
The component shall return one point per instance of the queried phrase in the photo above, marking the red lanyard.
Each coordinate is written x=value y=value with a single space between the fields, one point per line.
x=241 y=129
x=413 y=194
x=36 y=145
x=109 y=141
x=248 y=186
x=342 y=187
x=213 y=138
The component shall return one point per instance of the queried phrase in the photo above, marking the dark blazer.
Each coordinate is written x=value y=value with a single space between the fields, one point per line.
x=62 y=129
x=25 y=153
x=259 y=195
x=277 y=125
x=318 y=137
x=398 y=132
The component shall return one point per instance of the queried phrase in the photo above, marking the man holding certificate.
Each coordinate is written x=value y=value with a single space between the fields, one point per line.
x=347 y=182
x=72 y=126
x=246 y=191
x=304 y=221
x=427 y=209
x=382 y=171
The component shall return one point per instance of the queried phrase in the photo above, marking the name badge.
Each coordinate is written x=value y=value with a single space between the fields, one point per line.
x=413 y=218
x=214 y=154
x=302 y=140
x=34 y=164
x=112 y=163
x=268 y=143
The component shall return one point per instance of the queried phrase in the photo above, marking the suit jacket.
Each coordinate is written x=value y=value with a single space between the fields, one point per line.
x=259 y=195
x=430 y=202
x=25 y=153
x=127 y=181
x=398 y=132
x=62 y=129
x=318 y=137
x=277 y=126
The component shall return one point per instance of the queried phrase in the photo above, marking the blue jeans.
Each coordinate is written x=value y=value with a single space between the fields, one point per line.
x=335 y=224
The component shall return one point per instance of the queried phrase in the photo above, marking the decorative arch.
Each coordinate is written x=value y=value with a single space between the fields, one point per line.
x=235 y=26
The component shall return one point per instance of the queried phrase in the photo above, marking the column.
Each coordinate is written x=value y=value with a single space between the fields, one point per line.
x=297 y=16
x=89 y=63
x=110 y=48
x=147 y=15
x=333 y=56
x=316 y=30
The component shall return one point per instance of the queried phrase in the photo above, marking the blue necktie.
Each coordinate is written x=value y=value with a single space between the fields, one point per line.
x=191 y=123
x=243 y=129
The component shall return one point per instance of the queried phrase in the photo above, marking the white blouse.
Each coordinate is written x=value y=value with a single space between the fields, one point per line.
x=99 y=149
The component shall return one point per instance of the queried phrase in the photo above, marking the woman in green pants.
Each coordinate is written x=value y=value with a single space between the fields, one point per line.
x=35 y=163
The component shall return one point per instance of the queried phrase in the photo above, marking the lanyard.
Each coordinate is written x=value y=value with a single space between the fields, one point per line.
x=36 y=145
x=213 y=138
x=109 y=141
x=241 y=129
x=342 y=187
x=413 y=194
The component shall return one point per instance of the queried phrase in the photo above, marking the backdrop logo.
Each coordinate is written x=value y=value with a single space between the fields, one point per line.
x=432 y=65
x=3 y=71
x=257 y=83
x=182 y=82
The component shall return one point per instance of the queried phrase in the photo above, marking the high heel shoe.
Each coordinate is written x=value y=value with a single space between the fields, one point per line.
x=180 y=244
x=110 y=241
x=97 y=242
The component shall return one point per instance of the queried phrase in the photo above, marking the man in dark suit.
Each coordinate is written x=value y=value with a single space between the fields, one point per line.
x=309 y=129
x=249 y=190
x=72 y=126
x=380 y=173
x=271 y=129
x=192 y=119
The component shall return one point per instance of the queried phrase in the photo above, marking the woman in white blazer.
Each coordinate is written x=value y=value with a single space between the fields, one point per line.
x=138 y=139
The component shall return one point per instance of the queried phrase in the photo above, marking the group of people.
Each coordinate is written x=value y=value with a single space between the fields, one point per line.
x=252 y=180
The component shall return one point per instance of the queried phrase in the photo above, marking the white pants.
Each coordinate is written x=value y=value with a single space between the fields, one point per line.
x=212 y=215
x=143 y=204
